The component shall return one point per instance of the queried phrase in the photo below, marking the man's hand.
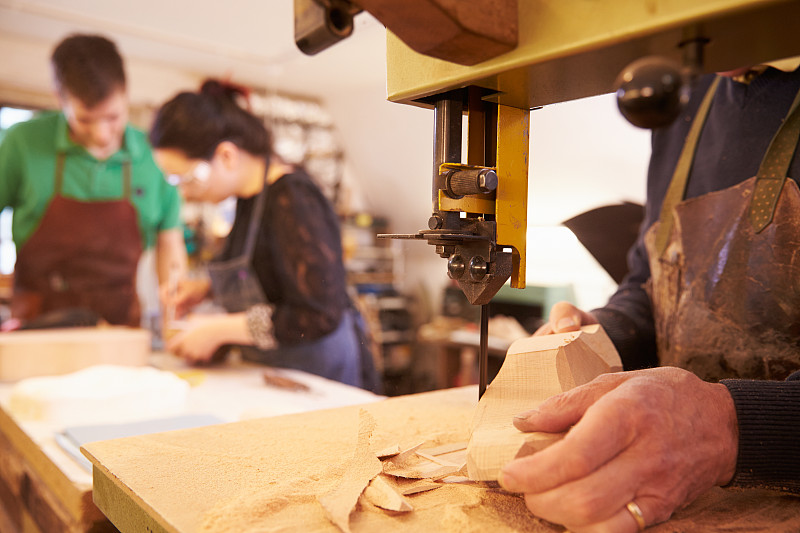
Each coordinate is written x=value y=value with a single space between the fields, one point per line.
x=658 y=437
x=565 y=317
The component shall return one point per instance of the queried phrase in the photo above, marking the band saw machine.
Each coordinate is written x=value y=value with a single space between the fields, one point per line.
x=490 y=62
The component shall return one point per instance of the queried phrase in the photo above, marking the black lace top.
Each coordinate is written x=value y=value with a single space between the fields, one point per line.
x=297 y=257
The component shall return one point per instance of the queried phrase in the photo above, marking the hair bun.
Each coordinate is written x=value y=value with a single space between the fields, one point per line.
x=225 y=90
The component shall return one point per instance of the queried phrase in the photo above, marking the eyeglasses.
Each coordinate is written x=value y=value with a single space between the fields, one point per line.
x=199 y=173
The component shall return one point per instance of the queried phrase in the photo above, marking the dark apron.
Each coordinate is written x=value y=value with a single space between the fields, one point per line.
x=234 y=284
x=342 y=355
x=725 y=267
x=335 y=356
x=82 y=255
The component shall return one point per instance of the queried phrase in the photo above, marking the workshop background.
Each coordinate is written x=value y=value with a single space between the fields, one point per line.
x=372 y=157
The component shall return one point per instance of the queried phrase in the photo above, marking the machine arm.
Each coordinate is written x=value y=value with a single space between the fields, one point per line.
x=479 y=208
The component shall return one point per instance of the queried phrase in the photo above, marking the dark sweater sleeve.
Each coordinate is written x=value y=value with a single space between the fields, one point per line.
x=304 y=276
x=768 y=414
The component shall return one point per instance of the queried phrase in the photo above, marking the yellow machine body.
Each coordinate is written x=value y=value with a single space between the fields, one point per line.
x=571 y=49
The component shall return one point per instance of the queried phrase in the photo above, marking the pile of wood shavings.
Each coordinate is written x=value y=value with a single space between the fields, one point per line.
x=336 y=499
x=412 y=476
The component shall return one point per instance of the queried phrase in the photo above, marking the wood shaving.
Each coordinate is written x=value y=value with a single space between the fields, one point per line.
x=359 y=471
x=382 y=494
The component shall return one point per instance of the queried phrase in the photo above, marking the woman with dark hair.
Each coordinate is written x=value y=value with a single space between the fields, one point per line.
x=280 y=275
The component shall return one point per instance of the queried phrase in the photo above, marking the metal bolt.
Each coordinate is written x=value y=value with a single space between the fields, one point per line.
x=435 y=222
x=487 y=180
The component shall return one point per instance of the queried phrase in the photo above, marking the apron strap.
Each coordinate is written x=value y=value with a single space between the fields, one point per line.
x=59 y=175
x=774 y=168
x=126 y=179
x=255 y=218
x=677 y=186
x=58 y=178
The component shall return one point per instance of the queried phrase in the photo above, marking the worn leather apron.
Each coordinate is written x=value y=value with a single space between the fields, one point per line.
x=725 y=267
x=82 y=255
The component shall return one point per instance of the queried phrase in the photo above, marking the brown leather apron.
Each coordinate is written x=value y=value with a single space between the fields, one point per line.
x=82 y=255
x=725 y=267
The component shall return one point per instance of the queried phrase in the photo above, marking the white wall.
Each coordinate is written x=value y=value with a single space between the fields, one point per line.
x=26 y=68
x=584 y=154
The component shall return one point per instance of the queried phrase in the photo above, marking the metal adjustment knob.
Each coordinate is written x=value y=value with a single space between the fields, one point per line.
x=470 y=181
x=651 y=92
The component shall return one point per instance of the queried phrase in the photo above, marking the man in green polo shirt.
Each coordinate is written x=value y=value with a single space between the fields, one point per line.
x=87 y=196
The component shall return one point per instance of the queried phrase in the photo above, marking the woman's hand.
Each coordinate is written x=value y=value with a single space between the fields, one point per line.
x=658 y=437
x=184 y=295
x=204 y=334
x=565 y=317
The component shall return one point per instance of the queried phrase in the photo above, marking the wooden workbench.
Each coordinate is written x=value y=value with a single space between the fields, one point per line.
x=265 y=475
x=37 y=494
x=44 y=490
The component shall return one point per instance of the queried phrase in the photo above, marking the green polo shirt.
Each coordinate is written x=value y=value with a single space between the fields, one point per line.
x=27 y=171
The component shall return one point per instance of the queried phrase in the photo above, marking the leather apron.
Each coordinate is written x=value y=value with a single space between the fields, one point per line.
x=725 y=267
x=82 y=255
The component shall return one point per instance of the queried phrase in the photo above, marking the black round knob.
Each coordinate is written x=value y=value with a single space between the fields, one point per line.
x=651 y=92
